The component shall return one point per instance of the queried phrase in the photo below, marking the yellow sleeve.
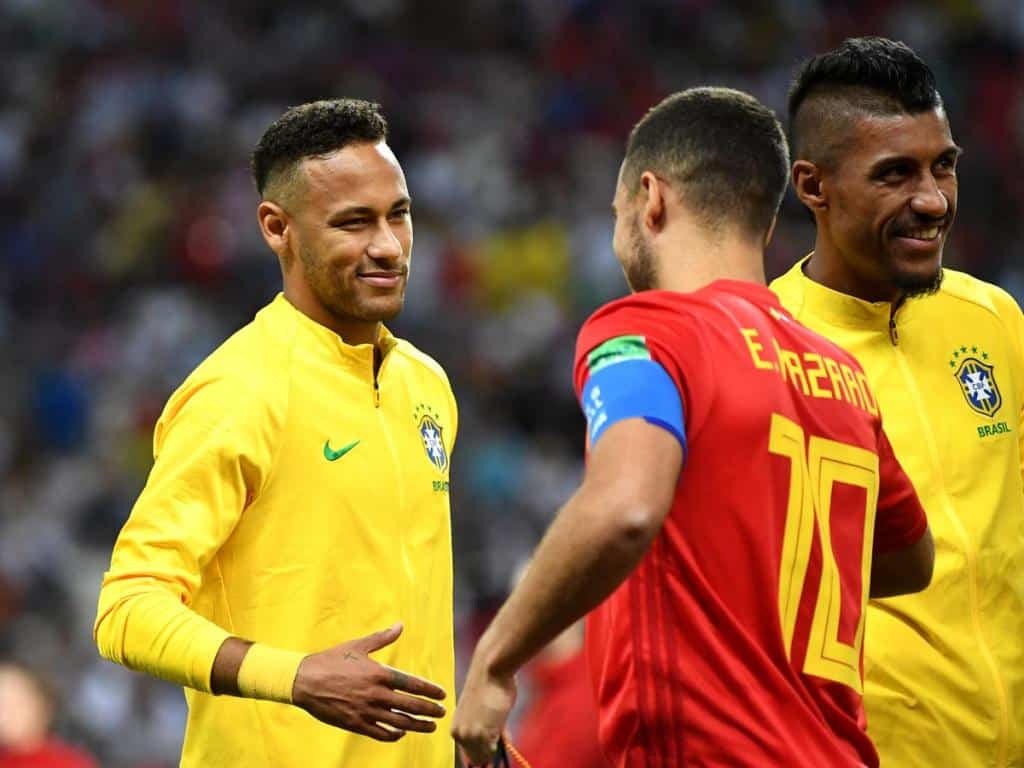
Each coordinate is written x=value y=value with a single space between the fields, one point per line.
x=213 y=449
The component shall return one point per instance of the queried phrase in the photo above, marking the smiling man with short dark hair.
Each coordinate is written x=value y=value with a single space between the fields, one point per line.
x=299 y=496
x=876 y=164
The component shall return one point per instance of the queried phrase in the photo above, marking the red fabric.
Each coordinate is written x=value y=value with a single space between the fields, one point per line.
x=688 y=656
x=52 y=754
x=560 y=727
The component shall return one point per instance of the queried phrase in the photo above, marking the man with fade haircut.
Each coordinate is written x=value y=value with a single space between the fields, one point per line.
x=876 y=165
x=299 y=498
x=740 y=499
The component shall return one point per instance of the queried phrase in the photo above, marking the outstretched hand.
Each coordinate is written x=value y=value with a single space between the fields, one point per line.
x=344 y=687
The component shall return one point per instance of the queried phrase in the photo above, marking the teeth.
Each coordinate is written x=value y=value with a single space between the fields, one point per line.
x=924 y=234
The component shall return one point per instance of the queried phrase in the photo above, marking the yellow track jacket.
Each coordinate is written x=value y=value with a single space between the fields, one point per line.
x=298 y=501
x=945 y=668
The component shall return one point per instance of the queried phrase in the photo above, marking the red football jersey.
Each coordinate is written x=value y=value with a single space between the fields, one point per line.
x=737 y=641
x=51 y=754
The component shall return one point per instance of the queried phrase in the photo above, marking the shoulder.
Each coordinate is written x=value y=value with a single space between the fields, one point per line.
x=428 y=377
x=972 y=292
x=421 y=363
x=651 y=314
x=249 y=369
x=789 y=287
x=65 y=755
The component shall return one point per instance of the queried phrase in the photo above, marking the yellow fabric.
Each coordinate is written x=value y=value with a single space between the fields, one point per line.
x=247 y=528
x=945 y=668
x=269 y=673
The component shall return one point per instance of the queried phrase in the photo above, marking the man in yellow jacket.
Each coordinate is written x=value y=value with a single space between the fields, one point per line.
x=876 y=165
x=298 y=503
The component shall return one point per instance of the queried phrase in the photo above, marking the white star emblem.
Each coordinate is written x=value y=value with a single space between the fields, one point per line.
x=978 y=386
x=433 y=443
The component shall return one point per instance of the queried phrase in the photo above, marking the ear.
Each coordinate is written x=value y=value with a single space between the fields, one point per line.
x=806 y=178
x=771 y=230
x=276 y=228
x=652 y=202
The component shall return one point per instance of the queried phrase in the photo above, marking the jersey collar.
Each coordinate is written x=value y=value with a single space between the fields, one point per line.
x=331 y=342
x=762 y=294
x=841 y=309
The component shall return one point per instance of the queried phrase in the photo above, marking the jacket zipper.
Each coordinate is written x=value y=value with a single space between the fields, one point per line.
x=385 y=431
x=375 y=373
x=969 y=553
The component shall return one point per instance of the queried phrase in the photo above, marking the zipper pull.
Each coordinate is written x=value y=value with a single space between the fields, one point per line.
x=376 y=393
x=894 y=335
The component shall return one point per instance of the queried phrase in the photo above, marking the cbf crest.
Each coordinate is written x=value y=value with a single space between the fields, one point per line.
x=977 y=380
x=429 y=427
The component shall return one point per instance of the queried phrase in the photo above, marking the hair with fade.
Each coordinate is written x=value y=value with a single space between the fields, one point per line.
x=864 y=76
x=315 y=129
x=722 y=149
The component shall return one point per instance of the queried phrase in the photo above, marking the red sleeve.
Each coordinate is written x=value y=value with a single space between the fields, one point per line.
x=901 y=519
x=672 y=336
x=611 y=320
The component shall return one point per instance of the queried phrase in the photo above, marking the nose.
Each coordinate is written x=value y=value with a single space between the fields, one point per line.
x=385 y=245
x=929 y=200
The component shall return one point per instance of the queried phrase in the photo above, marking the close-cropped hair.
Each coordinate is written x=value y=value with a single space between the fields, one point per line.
x=310 y=130
x=724 y=152
x=863 y=76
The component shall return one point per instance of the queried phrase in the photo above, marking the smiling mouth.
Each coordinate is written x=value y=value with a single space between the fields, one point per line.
x=382 y=279
x=922 y=233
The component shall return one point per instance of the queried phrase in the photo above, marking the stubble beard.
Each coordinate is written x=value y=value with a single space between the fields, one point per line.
x=330 y=291
x=913 y=286
x=909 y=283
x=641 y=271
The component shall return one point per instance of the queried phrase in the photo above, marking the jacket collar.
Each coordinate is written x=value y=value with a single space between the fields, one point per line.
x=841 y=309
x=331 y=342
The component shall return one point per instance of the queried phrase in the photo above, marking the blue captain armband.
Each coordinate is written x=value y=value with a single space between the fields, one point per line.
x=628 y=386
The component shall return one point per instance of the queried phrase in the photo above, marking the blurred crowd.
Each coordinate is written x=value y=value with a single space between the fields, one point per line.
x=129 y=245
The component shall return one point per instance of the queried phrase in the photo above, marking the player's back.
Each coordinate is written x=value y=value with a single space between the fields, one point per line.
x=736 y=642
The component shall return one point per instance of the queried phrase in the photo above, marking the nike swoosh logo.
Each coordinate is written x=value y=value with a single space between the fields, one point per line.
x=332 y=455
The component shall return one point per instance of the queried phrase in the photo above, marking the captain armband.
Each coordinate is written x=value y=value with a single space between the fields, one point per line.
x=623 y=382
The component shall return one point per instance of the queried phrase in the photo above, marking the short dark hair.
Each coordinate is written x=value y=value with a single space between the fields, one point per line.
x=314 y=129
x=722 y=148
x=864 y=75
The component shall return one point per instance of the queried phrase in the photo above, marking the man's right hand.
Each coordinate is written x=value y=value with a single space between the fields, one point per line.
x=344 y=687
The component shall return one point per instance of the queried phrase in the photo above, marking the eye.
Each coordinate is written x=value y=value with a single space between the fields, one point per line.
x=894 y=174
x=947 y=163
x=354 y=223
x=400 y=213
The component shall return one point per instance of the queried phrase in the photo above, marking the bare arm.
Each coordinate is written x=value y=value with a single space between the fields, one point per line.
x=224 y=676
x=599 y=536
x=905 y=570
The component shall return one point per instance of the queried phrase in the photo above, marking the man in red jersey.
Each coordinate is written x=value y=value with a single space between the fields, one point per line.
x=741 y=500
x=27 y=709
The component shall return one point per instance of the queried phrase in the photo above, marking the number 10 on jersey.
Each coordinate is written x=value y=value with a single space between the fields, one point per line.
x=814 y=472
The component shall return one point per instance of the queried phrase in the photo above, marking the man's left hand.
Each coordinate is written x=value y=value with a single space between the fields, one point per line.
x=482 y=712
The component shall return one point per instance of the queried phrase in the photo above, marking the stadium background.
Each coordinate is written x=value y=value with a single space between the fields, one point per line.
x=129 y=247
